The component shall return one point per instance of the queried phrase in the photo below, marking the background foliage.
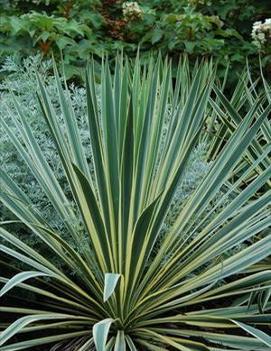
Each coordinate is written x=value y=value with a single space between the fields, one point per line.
x=83 y=28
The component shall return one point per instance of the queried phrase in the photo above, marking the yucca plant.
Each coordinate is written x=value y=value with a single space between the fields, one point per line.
x=23 y=84
x=127 y=282
x=226 y=115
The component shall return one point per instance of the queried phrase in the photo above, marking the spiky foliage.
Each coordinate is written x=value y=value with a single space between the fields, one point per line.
x=226 y=114
x=131 y=288
x=22 y=83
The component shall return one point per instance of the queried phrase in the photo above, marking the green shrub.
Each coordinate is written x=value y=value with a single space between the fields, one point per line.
x=227 y=30
x=129 y=286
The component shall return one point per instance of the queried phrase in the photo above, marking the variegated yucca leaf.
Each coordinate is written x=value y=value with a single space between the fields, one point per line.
x=227 y=114
x=126 y=282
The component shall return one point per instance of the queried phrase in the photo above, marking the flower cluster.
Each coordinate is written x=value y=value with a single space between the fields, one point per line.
x=200 y=2
x=261 y=32
x=132 y=11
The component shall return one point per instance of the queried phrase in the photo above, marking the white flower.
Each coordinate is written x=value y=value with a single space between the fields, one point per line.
x=257 y=24
x=261 y=37
x=131 y=10
x=261 y=32
x=200 y=2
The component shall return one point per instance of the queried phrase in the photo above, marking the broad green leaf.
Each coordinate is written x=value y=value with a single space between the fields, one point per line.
x=258 y=334
x=19 y=278
x=120 y=344
x=110 y=283
x=100 y=333
x=22 y=322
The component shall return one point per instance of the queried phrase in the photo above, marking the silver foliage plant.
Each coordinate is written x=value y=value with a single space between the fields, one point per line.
x=22 y=84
